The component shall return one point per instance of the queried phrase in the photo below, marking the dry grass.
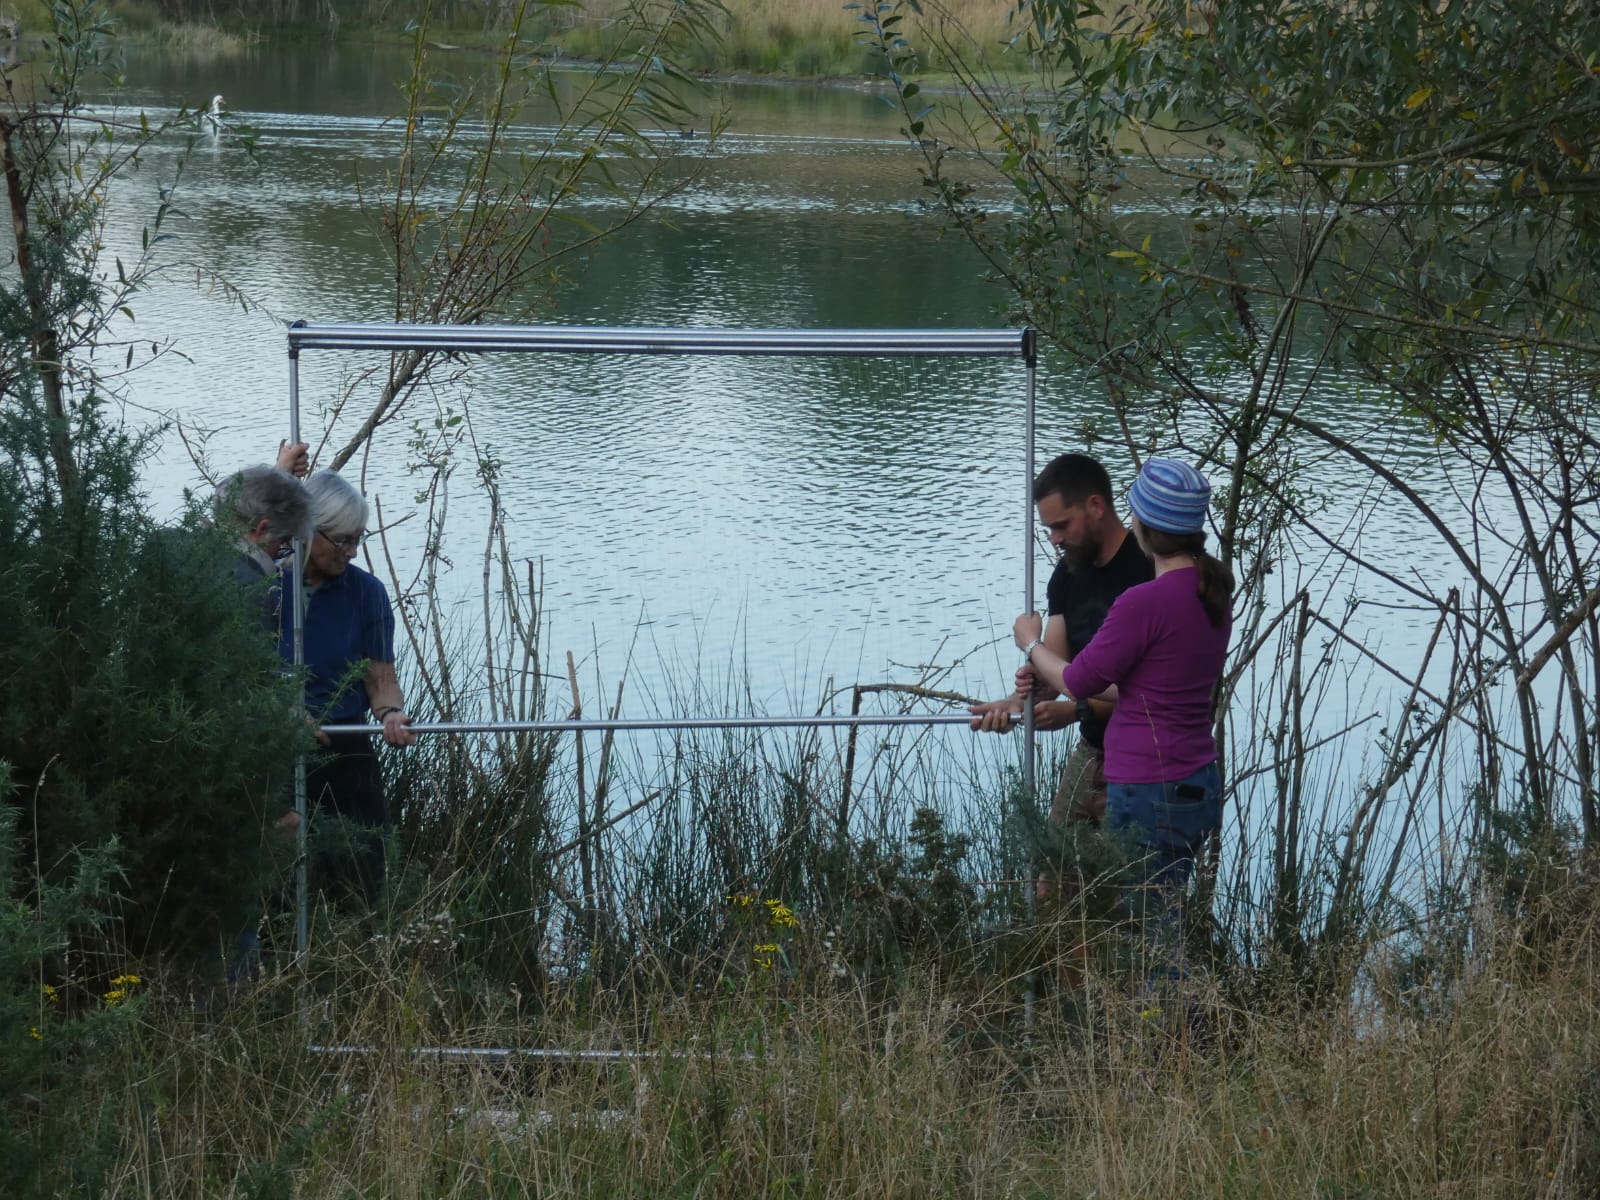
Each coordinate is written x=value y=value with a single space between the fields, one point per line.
x=202 y=40
x=812 y=38
x=785 y=1087
x=985 y=20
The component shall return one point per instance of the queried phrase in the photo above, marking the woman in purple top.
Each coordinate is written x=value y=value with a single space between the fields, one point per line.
x=1160 y=653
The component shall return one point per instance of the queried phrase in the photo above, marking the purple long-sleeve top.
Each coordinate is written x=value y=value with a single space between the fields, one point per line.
x=1164 y=655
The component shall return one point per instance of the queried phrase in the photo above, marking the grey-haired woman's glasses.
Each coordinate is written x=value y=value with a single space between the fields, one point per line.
x=348 y=544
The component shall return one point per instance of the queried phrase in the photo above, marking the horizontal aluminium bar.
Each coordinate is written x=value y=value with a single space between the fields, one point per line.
x=512 y=1053
x=941 y=343
x=602 y=726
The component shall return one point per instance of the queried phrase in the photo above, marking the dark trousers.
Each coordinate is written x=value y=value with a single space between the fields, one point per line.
x=349 y=821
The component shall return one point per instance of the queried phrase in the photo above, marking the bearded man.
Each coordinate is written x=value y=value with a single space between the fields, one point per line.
x=1099 y=560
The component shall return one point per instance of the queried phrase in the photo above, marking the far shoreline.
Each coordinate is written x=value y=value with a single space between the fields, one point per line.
x=220 y=41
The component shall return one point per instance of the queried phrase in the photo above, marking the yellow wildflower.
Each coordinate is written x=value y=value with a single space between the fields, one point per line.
x=121 y=988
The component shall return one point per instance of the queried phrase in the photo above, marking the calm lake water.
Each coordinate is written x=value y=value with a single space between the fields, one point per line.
x=699 y=521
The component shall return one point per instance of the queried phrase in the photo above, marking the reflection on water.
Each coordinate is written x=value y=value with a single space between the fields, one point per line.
x=804 y=519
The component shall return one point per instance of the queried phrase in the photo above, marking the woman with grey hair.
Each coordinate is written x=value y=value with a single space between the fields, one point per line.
x=349 y=659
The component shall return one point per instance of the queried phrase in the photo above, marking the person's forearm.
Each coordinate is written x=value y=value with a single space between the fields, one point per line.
x=383 y=690
x=1055 y=641
x=1049 y=667
x=1053 y=714
x=388 y=705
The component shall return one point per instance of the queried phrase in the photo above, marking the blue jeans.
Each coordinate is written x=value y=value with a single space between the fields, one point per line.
x=1167 y=823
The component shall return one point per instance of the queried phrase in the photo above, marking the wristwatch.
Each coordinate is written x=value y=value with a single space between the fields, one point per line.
x=1085 y=712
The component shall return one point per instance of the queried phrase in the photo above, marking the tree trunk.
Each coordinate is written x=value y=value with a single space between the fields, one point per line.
x=46 y=346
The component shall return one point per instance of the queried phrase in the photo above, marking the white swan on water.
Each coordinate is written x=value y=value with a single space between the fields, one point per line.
x=211 y=119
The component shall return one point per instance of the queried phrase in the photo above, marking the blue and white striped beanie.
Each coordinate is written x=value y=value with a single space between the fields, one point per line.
x=1170 y=496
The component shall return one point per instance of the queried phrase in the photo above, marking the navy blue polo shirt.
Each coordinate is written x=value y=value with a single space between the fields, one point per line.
x=349 y=622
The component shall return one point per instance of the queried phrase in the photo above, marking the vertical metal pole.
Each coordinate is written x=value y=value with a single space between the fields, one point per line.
x=1030 y=770
x=302 y=934
x=1030 y=352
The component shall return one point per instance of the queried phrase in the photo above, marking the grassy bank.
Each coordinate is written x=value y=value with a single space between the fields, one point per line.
x=800 y=39
x=801 y=1017
x=798 y=1016
x=789 y=1084
x=805 y=39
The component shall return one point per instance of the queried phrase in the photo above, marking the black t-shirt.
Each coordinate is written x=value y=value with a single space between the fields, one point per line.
x=1082 y=599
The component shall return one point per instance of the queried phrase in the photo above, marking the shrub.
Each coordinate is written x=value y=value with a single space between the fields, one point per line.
x=57 y=1126
x=142 y=703
x=148 y=707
